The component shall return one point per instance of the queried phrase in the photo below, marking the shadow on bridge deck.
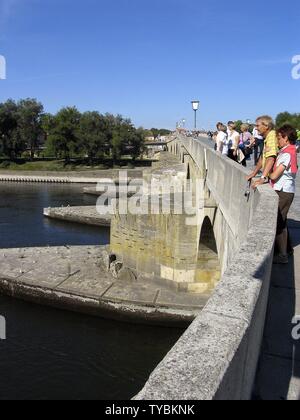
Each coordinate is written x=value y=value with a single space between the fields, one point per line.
x=278 y=375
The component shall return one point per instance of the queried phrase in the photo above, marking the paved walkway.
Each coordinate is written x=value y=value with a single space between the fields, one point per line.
x=279 y=371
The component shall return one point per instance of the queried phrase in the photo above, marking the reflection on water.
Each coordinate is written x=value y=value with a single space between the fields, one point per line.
x=22 y=222
x=52 y=354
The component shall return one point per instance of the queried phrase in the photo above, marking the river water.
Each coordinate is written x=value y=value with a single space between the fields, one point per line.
x=53 y=354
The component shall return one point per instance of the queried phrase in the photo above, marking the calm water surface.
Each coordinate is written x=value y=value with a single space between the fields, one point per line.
x=53 y=354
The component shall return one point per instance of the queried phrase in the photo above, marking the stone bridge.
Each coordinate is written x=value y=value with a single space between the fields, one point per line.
x=188 y=249
x=227 y=254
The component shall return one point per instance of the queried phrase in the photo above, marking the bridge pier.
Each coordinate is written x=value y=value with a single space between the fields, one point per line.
x=165 y=246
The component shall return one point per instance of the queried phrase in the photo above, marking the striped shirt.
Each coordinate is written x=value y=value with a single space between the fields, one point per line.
x=271 y=147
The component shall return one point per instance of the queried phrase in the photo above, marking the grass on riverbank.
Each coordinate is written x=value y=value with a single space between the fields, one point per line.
x=61 y=166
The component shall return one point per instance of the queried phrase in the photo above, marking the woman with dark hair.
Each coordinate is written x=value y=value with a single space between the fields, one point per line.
x=284 y=182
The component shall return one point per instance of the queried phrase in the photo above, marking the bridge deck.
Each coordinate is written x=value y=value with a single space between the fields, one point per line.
x=279 y=372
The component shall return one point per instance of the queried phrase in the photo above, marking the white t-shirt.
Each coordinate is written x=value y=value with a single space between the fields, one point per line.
x=222 y=143
x=256 y=134
x=233 y=139
x=287 y=181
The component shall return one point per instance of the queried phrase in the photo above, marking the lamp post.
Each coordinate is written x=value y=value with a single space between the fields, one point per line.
x=195 y=105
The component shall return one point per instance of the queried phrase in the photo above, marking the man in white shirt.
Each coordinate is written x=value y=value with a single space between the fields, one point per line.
x=222 y=140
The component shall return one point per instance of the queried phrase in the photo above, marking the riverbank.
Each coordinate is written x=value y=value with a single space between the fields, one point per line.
x=50 y=165
x=76 y=278
x=75 y=177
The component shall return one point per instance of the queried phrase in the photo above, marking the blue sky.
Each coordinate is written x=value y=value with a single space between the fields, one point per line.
x=147 y=59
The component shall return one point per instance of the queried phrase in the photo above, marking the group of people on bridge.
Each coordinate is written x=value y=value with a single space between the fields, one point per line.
x=275 y=157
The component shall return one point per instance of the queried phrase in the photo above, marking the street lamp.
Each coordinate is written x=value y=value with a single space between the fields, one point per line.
x=195 y=105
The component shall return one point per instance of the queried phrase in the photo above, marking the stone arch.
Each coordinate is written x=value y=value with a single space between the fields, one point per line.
x=208 y=271
x=207 y=236
x=182 y=154
x=188 y=172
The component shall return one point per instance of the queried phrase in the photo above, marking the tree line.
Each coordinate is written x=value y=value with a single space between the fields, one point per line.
x=282 y=119
x=287 y=118
x=25 y=128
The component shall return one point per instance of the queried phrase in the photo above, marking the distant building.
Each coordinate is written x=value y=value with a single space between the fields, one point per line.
x=163 y=139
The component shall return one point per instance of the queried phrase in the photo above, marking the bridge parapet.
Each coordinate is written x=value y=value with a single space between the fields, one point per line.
x=217 y=356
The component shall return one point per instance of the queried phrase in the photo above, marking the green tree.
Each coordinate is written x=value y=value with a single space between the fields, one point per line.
x=155 y=132
x=30 y=123
x=126 y=139
x=47 y=125
x=238 y=125
x=288 y=118
x=119 y=129
x=136 y=143
x=25 y=125
x=146 y=133
x=63 y=137
x=164 y=132
x=11 y=142
x=93 y=134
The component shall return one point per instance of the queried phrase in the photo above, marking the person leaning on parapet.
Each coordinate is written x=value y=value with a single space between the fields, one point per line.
x=214 y=139
x=283 y=179
x=245 y=144
x=266 y=128
x=234 y=140
x=258 y=145
x=222 y=139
